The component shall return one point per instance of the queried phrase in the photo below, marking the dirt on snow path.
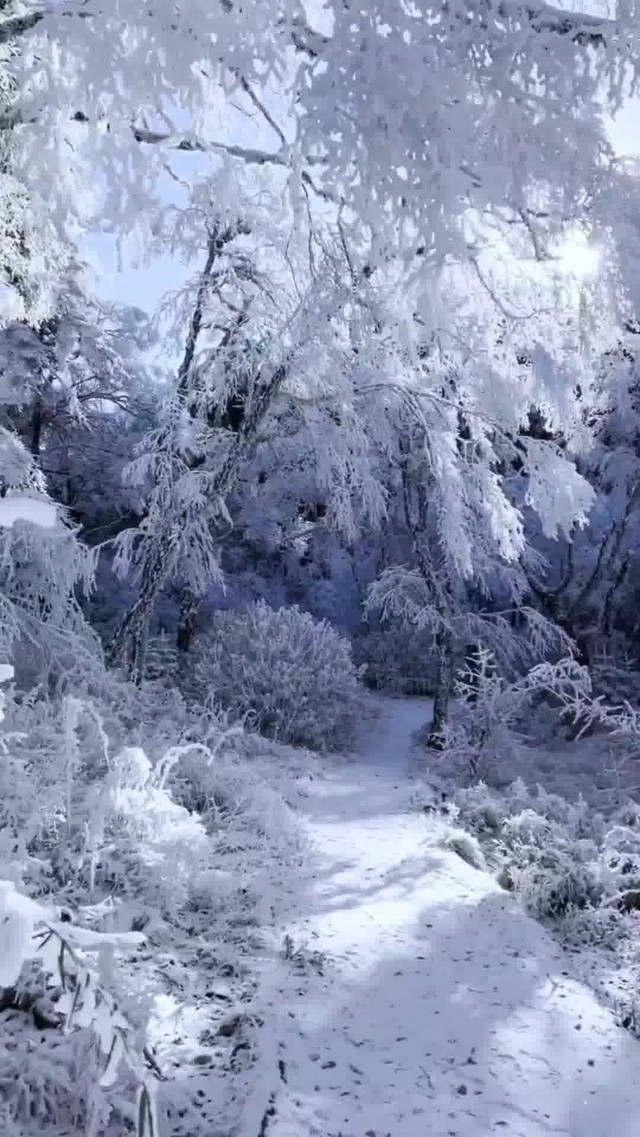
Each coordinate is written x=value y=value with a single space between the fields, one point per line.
x=418 y=1000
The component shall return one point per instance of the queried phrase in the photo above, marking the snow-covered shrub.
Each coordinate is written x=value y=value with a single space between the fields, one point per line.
x=560 y=857
x=465 y=845
x=44 y=570
x=140 y=842
x=555 y=881
x=620 y=864
x=479 y=809
x=79 y=819
x=489 y=725
x=615 y=676
x=602 y=927
x=549 y=862
x=53 y=1088
x=293 y=676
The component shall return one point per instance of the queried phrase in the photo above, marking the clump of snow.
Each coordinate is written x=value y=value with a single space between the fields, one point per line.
x=20 y=507
x=466 y=845
x=18 y=918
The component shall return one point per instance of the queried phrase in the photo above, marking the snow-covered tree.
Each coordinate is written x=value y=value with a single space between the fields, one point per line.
x=410 y=114
x=471 y=476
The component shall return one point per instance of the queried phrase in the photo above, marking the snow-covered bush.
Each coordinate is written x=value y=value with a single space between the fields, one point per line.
x=140 y=843
x=554 y=875
x=76 y=818
x=75 y=961
x=562 y=858
x=465 y=845
x=44 y=570
x=291 y=675
x=188 y=838
x=480 y=810
x=545 y=849
x=489 y=725
x=615 y=675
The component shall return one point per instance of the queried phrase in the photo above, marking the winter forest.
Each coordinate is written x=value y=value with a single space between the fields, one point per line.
x=319 y=568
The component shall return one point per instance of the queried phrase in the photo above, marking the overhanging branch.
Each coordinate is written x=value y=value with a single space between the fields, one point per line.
x=578 y=26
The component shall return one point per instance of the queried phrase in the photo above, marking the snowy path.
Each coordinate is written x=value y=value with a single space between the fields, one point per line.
x=442 y=1009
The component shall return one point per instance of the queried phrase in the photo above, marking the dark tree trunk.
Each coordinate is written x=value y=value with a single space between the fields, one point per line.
x=128 y=646
x=37 y=422
x=189 y=608
x=444 y=687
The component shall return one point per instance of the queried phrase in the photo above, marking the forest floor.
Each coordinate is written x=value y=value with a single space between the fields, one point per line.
x=416 y=996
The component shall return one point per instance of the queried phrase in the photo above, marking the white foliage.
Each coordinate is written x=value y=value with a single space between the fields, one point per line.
x=140 y=840
x=356 y=105
x=42 y=565
x=465 y=845
x=18 y=918
x=489 y=725
x=561 y=497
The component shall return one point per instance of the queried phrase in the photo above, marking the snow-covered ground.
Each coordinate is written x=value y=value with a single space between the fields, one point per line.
x=418 y=997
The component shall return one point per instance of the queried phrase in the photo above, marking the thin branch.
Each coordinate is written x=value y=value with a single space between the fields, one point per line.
x=539 y=252
x=345 y=247
x=192 y=144
x=491 y=292
x=259 y=105
x=218 y=240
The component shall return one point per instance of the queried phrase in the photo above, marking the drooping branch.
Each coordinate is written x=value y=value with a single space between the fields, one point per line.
x=579 y=27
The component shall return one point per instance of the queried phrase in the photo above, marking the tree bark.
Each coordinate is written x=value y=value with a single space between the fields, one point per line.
x=128 y=645
x=444 y=687
x=189 y=608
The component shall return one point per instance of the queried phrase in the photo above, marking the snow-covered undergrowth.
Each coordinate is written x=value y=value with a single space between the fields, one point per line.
x=154 y=848
x=555 y=819
x=571 y=866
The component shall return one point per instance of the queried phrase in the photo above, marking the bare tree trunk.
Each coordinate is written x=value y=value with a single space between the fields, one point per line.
x=607 y=556
x=416 y=508
x=128 y=645
x=189 y=608
x=444 y=687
